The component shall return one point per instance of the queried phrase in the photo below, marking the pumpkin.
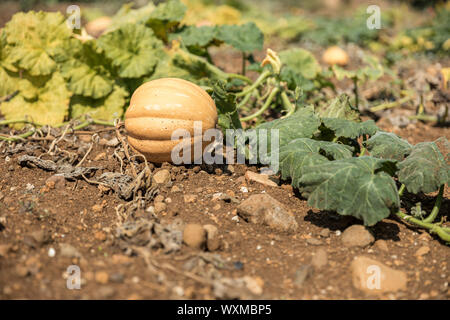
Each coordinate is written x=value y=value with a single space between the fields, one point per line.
x=98 y=26
x=159 y=107
x=335 y=55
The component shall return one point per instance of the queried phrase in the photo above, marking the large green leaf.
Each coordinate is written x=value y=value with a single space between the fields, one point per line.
x=359 y=187
x=196 y=36
x=49 y=103
x=301 y=62
x=339 y=107
x=106 y=108
x=132 y=50
x=228 y=117
x=304 y=152
x=350 y=129
x=302 y=124
x=387 y=145
x=426 y=168
x=35 y=38
x=127 y=15
x=165 y=17
x=85 y=68
x=246 y=37
x=8 y=83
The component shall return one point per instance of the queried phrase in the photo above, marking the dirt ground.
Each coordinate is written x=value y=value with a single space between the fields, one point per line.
x=48 y=224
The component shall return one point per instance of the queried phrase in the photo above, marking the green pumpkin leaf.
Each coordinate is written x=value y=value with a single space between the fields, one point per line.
x=132 y=50
x=165 y=17
x=245 y=38
x=304 y=152
x=106 y=108
x=339 y=107
x=85 y=69
x=228 y=117
x=35 y=38
x=196 y=36
x=387 y=145
x=49 y=103
x=302 y=124
x=301 y=62
x=127 y=15
x=426 y=168
x=358 y=187
x=350 y=129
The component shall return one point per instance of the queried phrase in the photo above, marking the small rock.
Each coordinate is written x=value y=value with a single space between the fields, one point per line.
x=158 y=198
x=302 y=274
x=161 y=177
x=357 y=236
x=69 y=251
x=97 y=208
x=194 y=235
x=117 y=277
x=425 y=236
x=190 y=198
x=175 y=189
x=260 y=178
x=372 y=276
x=101 y=277
x=422 y=251
x=100 y=235
x=4 y=249
x=212 y=237
x=22 y=271
x=196 y=169
x=51 y=252
x=320 y=258
x=56 y=182
x=325 y=233
x=121 y=259
x=238 y=265
x=381 y=245
x=263 y=209
x=313 y=241
x=254 y=285
x=160 y=207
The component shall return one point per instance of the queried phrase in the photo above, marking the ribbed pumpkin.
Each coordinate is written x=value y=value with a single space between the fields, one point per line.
x=335 y=55
x=159 y=107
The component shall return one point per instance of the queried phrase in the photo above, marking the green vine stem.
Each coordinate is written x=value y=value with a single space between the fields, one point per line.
x=255 y=84
x=432 y=228
x=390 y=105
x=355 y=90
x=437 y=206
x=266 y=105
x=287 y=104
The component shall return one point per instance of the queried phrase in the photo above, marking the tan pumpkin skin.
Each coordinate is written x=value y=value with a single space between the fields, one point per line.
x=335 y=55
x=159 y=107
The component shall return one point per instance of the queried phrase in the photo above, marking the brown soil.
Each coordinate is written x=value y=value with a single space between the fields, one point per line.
x=70 y=216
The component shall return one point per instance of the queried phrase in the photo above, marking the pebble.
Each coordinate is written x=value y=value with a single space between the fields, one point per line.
x=51 y=252
x=422 y=251
x=101 y=277
x=313 y=241
x=69 y=251
x=4 y=249
x=302 y=274
x=212 y=237
x=161 y=177
x=56 y=182
x=381 y=245
x=263 y=209
x=100 y=235
x=106 y=292
x=190 y=198
x=320 y=258
x=175 y=189
x=160 y=207
x=254 y=284
x=244 y=189
x=159 y=198
x=357 y=236
x=325 y=233
x=260 y=178
x=100 y=156
x=194 y=235
x=117 y=277
x=364 y=275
